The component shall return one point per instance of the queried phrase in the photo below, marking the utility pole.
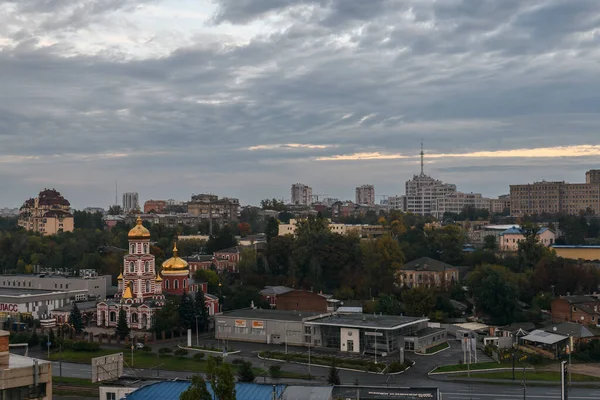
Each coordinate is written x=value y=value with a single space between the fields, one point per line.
x=563 y=387
x=197 y=340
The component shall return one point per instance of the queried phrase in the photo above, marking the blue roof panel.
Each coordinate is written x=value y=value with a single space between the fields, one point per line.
x=172 y=390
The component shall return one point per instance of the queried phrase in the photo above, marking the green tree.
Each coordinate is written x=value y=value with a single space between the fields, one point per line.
x=388 y=304
x=75 y=318
x=530 y=251
x=201 y=312
x=272 y=229
x=197 y=390
x=489 y=242
x=122 y=329
x=245 y=372
x=224 y=387
x=223 y=240
x=166 y=318
x=495 y=292
x=333 y=378
x=418 y=301
x=187 y=312
x=115 y=210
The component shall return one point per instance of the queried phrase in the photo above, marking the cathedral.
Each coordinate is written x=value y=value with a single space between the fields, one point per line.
x=142 y=289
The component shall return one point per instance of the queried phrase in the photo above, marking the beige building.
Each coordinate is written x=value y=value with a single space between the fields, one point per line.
x=576 y=252
x=556 y=197
x=365 y=194
x=456 y=202
x=427 y=272
x=23 y=377
x=500 y=204
x=301 y=194
x=48 y=214
x=510 y=239
x=342 y=229
x=209 y=206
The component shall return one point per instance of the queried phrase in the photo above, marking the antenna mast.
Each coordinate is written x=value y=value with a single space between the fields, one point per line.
x=422 y=154
x=116 y=196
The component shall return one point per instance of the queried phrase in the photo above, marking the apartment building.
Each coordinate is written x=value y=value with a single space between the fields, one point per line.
x=500 y=204
x=365 y=194
x=131 y=202
x=556 y=197
x=301 y=194
x=422 y=191
x=155 y=206
x=510 y=239
x=427 y=272
x=574 y=308
x=48 y=214
x=342 y=229
x=210 y=206
x=456 y=202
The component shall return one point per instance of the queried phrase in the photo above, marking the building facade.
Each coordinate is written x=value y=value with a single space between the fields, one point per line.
x=210 y=206
x=301 y=194
x=18 y=302
x=427 y=272
x=302 y=300
x=556 y=197
x=579 y=309
x=48 y=214
x=422 y=191
x=342 y=229
x=576 y=252
x=501 y=204
x=96 y=287
x=131 y=202
x=154 y=206
x=510 y=239
x=456 y=202
x=365 y=194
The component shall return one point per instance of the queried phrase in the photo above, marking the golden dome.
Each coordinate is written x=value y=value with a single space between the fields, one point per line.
x=128 y=294
x=139 y=230
x=158 y=278
x=120 y=277
x=174 y=265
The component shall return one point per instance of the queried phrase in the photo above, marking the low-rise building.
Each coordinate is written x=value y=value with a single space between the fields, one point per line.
x=48 y=214
x=500 y=205
x=577 y=252
x=303 y=300
x=154 y=206
x=510 y=239
x=342 y=229
x=427 y=272
x=270 y=293
x=19 y=302
x=23 y=377
x=576 y=308
x=96 y=287
x=209 y=206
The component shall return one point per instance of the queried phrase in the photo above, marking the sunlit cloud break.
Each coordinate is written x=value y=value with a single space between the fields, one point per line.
x=542 y=152
x=290 y=146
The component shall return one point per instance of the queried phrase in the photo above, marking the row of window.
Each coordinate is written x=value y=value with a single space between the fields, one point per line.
x=146 y=266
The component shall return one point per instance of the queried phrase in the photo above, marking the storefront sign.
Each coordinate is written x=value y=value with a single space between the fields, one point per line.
x=240 y=323
x=4 y=307
x=258 y=324
x=373 y=333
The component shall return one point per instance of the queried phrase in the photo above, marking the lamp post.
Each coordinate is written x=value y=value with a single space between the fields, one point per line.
x=285 y=335
x=197 y=340
x=131 y=335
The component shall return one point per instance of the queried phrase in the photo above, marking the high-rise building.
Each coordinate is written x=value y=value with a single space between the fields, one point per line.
x=500 y=204
x=48 y=214
x=456 y=202
x=130 y=202
x=365 y=194
x=422 y=191
x=557 y=197
x=154 y=206
x=301 y=194
x=210 y=207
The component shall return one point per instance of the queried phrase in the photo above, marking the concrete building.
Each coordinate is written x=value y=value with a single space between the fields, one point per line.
x=301 y=194
x=579 y=309
x=456 y=203
x=304 y=300
x=209 y=206
x=509 y=240
x=500 y=204
x=18 y=302
x=365 y=194
x=48 y=214
x=556 y=197
x=396 y=202
x=427 y=272
x=576 y=252
x=23 y=377
x=95 y=287
x=131 y=202
x=154 y=206
x=342 y=229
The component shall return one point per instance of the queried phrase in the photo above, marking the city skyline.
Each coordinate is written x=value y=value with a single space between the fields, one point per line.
x=242 y=98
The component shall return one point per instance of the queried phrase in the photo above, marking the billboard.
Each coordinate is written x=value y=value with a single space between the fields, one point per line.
x=240 y=323
x=258 y=324
x=107 y=367
x=377 y=393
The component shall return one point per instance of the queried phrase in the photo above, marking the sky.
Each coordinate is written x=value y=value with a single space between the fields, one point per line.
x=242 y=98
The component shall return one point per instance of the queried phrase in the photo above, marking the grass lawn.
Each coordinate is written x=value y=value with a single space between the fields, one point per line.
x=532 y=376
x=441 y=346
x=473 y=367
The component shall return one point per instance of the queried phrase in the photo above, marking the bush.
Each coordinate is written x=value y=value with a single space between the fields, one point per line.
x=85 y=346
x=198 y=356
x=181 y=353
x=164 y=351
x=275 y=371
x=238 y=361
x=396 y=366
x=146 y=348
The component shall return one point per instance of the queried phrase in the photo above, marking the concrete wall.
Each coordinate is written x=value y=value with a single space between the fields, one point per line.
x=119 y=391
x=349 y=334
x=95 y=286
x=249 y=330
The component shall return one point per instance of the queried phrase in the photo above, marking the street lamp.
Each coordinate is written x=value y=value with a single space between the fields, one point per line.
x=197 y=340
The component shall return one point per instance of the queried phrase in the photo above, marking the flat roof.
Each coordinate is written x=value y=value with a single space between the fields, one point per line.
x=540 y=336
x=259 y=313
x=22 y=292
x=17 y=361
x=573 y=246
x=386 y=322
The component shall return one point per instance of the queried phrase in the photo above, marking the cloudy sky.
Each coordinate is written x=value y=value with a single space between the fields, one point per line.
x=244 y=97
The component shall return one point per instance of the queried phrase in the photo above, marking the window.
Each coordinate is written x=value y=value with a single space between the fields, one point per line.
x=131 y=267
x=166 y=284
x=132 y=249
x=111 y=396
x=145 y=248
x=184 y=283
x=113 y=316
x=147 y=286
x=134 y=318
x=574 y=309
x=146 y=266
x=176 y=284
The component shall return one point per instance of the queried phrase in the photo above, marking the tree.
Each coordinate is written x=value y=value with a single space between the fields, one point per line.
x=530 y=251
x=489 y=242
x=224 y=386
x=223 y=240
x=244 y=228
x=115 y=210
x=122 y=329
x=272 y=228
x=418 y=301
x=245 y=372
x=334 y=375
x=388 y=304
x=495 y=291
x=201 y=312
x=197 y=390
x=166 y=318
x=187 y=312
x=75 y=318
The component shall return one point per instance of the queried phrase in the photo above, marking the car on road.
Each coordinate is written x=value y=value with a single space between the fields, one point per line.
x=139 y=345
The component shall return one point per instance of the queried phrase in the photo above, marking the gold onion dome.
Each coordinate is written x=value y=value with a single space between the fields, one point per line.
x=128 y=294
x=120 y=277
x=139 y=230
x=174 y=264
x=158 y=278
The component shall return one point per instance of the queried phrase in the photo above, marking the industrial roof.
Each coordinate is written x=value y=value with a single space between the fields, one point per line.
x=472 y=326
x=540 y=336
x=258 y=313
x=172 y=391
x=307 y=393
x=369 y=321
x=425 y=264
x=275 y=290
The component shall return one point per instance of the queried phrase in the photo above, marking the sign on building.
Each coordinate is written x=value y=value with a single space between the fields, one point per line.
x=107 y=367
x=258 y=324
x=240 y=323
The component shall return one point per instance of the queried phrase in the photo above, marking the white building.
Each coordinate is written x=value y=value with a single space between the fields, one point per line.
x=365 y=194
x=456 y=202
x=396 y=202
x=422 y=191
x=301 y=194
x=130 y=202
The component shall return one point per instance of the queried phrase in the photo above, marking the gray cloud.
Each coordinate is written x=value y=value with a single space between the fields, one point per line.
x=372 y=76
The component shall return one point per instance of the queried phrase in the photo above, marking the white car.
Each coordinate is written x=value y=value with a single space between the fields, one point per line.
x=139 y=345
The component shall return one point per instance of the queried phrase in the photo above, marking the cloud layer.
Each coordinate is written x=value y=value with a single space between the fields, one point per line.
x=244 y=97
